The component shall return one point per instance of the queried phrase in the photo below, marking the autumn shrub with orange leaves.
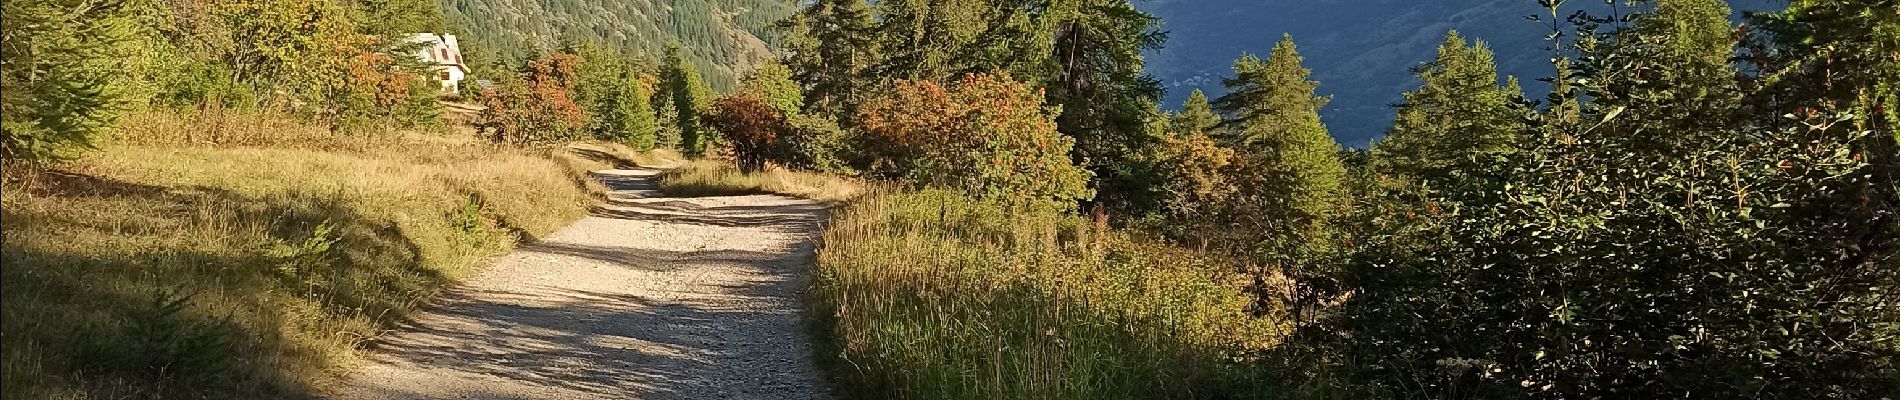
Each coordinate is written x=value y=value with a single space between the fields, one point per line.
x=380 y=89
x=538 y=106
x=988 y=135
x=751 y=127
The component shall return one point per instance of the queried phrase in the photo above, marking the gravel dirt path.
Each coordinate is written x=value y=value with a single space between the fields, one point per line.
x=647 y=298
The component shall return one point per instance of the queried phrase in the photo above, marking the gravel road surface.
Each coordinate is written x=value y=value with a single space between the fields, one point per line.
x=647 y=298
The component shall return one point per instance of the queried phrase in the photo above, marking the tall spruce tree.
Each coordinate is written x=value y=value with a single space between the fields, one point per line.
x=833 y=47
x=628 y=116
x=1106 y=97
x=941 y=40
x=1290 y=175
x=1261 y=96
x=1458 y=111
x=60 y=75
x=690 y=96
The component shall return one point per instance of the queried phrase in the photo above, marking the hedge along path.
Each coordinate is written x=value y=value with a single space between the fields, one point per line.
x=646 y=298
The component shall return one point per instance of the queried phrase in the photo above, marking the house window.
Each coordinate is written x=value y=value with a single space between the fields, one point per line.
x=444 y=75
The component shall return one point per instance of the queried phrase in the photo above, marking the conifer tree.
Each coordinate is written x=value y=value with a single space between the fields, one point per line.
x=1263 y=94
x=629 y=115
x=1291 y=178
x=1693 y=45
x=1107 y=99
x=1669 y=75
x=60 y=75
x=1196 y=115
x=690 y=97
x=1458 y=111
x=1834 y=51
x=833 y=47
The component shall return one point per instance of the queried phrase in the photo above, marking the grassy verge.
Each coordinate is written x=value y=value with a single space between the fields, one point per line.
x=720 y=178
x=934 y=296
x=160 y=266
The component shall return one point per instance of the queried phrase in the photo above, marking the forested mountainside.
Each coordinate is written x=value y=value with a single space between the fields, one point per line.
x=723 y=38
x=1359 y=50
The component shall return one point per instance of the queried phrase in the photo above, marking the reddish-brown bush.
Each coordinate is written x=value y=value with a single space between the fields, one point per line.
x=750 y=126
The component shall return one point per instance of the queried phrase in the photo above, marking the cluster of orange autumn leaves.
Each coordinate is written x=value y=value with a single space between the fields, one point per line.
x=989 y=135
x=540 y=107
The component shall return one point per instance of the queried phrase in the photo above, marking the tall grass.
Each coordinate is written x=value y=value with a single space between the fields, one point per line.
x=160 y=266
x=711 y=177
x=934 y=296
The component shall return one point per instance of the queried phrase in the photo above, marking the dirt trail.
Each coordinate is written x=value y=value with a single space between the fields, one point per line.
x=648 y=298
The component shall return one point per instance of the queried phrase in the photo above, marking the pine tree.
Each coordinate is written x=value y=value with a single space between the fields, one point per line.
x=833 y=47
x=1458 y=111
x=690 y=97
x=1836 y=51
x=1107 y=98
x=1261 y=97
x=629 y=116
x=1290 y=176
x=1196 y=115
x=1693 y=43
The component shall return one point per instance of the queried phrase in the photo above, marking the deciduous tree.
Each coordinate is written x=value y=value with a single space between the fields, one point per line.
x=751 y=126
x=989 y=135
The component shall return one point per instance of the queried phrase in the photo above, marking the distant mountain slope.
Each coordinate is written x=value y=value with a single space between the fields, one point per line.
x=1359 y=50
x=723 y=37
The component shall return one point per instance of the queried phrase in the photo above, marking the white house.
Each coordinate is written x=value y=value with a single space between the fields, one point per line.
x=445 y=56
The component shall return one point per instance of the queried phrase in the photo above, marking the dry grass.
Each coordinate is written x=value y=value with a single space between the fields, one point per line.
x=935 y=296
x=165 y=267
x=709 y=177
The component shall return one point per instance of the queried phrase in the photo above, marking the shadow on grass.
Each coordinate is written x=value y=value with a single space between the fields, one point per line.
x=603 y=157
x=124 y=290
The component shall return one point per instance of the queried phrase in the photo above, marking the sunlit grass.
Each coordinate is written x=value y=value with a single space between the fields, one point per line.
x=709 y=177
x=165 y=267
x=935 y=296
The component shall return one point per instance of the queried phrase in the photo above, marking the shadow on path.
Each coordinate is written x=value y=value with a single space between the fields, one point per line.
x=647 y=298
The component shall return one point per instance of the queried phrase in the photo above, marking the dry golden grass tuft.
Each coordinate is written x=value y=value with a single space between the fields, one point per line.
x=933 y=295
x=237 y=266
x=710 y=177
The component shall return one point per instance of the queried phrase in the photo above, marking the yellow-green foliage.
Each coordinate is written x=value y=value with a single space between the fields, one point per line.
x=193 y=271
x=932 y=295
x=722 y=178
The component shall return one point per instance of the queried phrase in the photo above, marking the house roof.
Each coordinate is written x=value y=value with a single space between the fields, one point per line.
x=440 y=41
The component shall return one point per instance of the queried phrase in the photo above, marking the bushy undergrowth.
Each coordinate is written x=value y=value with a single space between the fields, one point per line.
x=178 y=269
x=709 y=177
x=936 y=296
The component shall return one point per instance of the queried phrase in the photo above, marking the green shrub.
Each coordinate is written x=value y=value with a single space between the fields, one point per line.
x=815 y=143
